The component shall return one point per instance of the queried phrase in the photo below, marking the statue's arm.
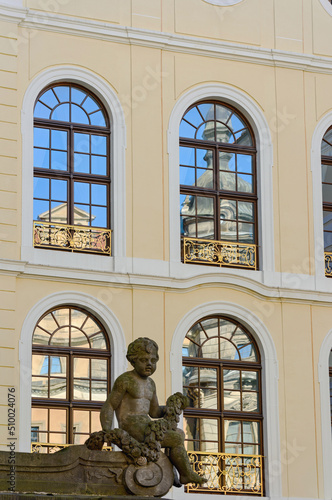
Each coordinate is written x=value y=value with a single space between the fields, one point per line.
x=112 y=403
x=156 y=411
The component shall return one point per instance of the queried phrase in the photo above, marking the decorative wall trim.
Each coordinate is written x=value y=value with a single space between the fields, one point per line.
x=118 y=136
x=167 y=41
x=327 y=6
x=323 y=377
x=316 y=170
x=91 y=304
x=261 y=130
x=269 y=378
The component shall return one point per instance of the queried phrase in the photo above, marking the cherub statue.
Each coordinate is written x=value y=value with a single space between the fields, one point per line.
x=134 y=400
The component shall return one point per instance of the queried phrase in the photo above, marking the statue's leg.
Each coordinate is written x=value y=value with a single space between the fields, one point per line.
x=179 y=457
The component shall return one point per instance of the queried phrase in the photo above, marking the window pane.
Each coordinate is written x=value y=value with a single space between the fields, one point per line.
x=223 y=113
x=82 y=367
x=82 y=215
x=59 y=212
x=210 y=349
x=58 y=190
x=327 y=193
x=250 y=401
x=187 y=130
x=82 y=389
x=232 y=379
x=327 y=173
x=58 y=388
x=40 y=337
x=58 y=160
x=98 y=194
x=244 y=164
x=77 y=95
x=61 y=337
x=228 y=231
x=41 y=111
x=209 y=429
x=224 y=134
x=82 y=143
x=98 y=341
x=59 y=139
x=62 y=93
x=227 y=181
x=327 y=241
x=82 y=421
x=39 y=364
x=39 y=387
x=204 y=178
x=245 y=183
x=206 y=132
x=61 y=316
x=249 y=381
x=204 y=158
x=41 y=158
x=90 y=105
x=78 y=339
x=58 y=420
x=208 y=384
x=58 y=365
x=98 y=165
x=327 y=220
x=61 y=113
x=205 y=206
x=98 y=145
x=227 y=161
x=246 y=233
x=233 y=432
x=205 y=228
x=232 y=400
x=227 y=350
x=41 y=188
x=98 y=216
x=207 y=111
x=82 y=163
x=98 y=119
x=193 y=117
x=245 y=211
x=41 y=137
x=81 y=192
x=98 y=390
x=41 y=210
x=251 y=432
x=99 y=369
x=49 y=99
x=78 y=115
x=187 y=176
x=187 y=156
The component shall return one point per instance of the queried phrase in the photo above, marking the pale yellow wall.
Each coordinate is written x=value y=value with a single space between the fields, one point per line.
x=292 y=102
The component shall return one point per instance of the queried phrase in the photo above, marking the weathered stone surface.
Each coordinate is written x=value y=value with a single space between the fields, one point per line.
x=38 y=496
x=79 y=471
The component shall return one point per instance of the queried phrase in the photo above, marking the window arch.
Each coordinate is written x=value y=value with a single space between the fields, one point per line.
x=70 y=376
x=71 y=170
x=222 y=379
x=218 y=187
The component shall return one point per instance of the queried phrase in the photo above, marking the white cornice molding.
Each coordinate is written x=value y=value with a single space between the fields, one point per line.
x=286 y=287
x=164 y=41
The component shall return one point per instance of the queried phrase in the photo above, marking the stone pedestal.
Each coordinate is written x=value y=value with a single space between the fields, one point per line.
x=81 y=473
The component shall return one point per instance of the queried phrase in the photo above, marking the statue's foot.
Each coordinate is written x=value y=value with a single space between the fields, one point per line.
x=192 y=477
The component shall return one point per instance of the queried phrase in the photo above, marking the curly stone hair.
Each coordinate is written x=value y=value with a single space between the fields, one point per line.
x=142 y=344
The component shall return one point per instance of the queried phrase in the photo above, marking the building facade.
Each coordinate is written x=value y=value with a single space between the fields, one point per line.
x=155 y=156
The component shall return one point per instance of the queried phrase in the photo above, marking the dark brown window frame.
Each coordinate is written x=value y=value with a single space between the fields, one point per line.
x=217 y=193
x=70 y=404
x=70 y=175
x=220 y=414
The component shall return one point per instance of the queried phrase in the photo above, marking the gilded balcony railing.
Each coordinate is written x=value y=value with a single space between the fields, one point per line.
x=228 y=473
x=53 y=447
x=328 y=264
x=72 y=238
x=219 y=253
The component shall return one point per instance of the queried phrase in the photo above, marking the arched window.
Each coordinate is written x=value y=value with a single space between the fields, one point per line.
x=71 y=206
x=70 y=377
x=327 y=198
x=223 y=423
x=218 y=194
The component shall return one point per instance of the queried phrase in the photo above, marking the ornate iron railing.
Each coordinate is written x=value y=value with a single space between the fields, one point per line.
x=219 y=253
x=72 y=238
x=228 y=473
x=328 y=264
x=53 y=447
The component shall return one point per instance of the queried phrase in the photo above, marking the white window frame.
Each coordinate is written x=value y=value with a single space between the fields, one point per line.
x=261 y=130
x=270 y=378
x=101 y=89
x=324 y=383
x=322 y=283
x=112 y=328
x=327 y=6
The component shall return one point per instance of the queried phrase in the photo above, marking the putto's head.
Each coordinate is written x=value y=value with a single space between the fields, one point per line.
x=141 y=346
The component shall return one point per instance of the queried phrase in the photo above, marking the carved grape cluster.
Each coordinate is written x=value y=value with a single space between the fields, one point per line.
x=154 y=434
